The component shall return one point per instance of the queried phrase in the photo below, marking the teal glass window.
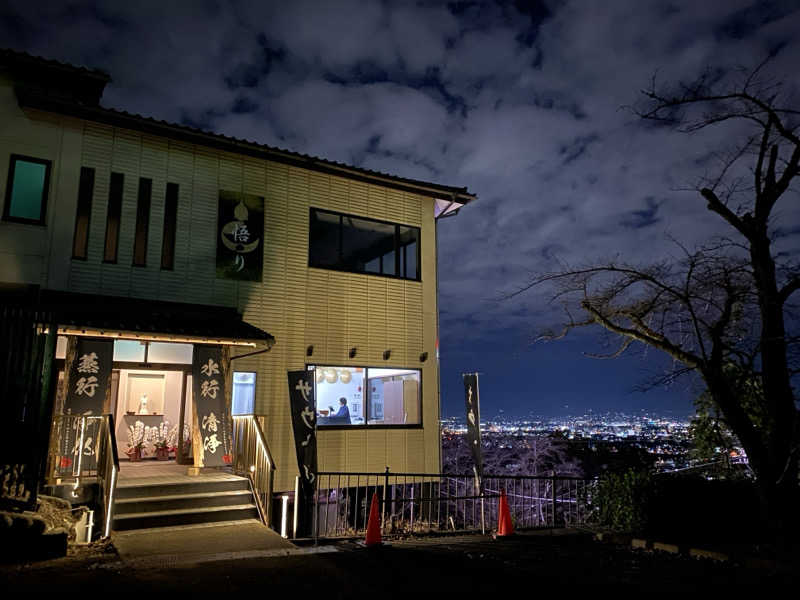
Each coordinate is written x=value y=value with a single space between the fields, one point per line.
x=26 y=190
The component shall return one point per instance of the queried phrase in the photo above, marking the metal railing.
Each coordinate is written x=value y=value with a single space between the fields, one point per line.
x=83 y=450
x=253 y=460
x=107 y=471
x=436 y=502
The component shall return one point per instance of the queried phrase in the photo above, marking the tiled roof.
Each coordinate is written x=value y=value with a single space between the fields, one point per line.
x=8 y=55
x=37 y=99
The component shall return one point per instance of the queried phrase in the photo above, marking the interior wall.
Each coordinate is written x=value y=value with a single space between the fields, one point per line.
x=171 y=409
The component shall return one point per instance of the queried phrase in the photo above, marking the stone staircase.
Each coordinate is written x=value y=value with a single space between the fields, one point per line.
x=164 y=502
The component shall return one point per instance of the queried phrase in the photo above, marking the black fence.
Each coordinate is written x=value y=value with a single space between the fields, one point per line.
x=27 y=345
x=435 y=502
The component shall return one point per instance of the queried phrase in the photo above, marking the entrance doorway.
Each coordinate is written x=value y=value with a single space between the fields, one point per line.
x=151 y=400
x=150 y=404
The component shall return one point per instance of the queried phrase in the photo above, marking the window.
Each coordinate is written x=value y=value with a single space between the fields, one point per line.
x=129 y=351
x=152 y=352
x=244 y=393
x=113 y=217
x=169 y=353
x=170 y=225
x=360 y=245
x=80 y=240
x=26 y=190
x=367 y=396
x=142 y=222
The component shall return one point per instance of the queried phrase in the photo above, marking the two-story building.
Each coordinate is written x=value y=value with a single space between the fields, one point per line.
x=160 y=237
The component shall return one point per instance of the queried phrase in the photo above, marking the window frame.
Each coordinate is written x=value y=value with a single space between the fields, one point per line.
x=12 y=166
x=83 y=214
x=144 y=201
x=255 y=392
x=116 y=196
x=366 y=425
x=399 y=262
x=169 y=231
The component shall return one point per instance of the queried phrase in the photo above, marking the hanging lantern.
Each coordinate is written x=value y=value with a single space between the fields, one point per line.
x=331 y=376
x=320 y=375
x=345 y=376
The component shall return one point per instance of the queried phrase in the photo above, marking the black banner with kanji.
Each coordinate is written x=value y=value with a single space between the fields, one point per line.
x=240 y=236
x=304 y=419
x=89 y=376
x=89 y=382
x=213 y=419
x=473 y=420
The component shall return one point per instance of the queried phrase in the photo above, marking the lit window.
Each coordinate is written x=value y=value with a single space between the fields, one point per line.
x=26 y=190
x=169 y=353
x=244 y=393
x=129 y=351
x=367 y=396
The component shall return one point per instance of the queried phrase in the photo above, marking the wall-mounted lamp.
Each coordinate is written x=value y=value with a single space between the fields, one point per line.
x=310 y=350
x=386 y=354
x=423 y=357
x=352 y=353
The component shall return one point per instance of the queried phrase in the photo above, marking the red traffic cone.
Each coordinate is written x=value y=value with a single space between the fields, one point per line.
x=504 y=525
x=373 y=525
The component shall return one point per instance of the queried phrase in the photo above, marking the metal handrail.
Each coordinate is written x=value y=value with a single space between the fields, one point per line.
x=108 y=472
x=83 y=448
x=253 y=459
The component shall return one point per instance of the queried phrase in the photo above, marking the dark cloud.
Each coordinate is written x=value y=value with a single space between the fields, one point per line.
x=646 y=217
x=520 y=101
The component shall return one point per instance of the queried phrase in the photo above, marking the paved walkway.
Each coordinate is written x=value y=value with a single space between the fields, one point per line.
x=217 y=541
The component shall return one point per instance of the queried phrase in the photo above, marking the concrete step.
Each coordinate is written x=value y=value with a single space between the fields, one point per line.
x=126 y=506
x=147 y=490
x=185 y=516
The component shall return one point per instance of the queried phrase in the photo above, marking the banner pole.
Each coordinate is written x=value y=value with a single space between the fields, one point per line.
x=478 y=479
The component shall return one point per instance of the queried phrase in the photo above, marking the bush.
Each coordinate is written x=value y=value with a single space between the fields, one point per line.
x=677 y=508
x=622 y=500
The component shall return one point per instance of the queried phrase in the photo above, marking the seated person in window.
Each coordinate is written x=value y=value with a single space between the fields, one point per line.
x=342 y=415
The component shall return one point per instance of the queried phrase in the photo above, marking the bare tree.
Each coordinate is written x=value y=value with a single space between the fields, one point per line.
x=720 y=310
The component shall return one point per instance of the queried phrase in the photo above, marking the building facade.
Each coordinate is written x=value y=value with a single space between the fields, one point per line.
x=339 y=265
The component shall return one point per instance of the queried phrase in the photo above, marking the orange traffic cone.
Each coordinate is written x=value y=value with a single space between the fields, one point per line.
x=373 y=525
x=504 y=525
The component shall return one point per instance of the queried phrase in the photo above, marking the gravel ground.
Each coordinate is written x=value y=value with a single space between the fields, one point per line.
x=407 y=568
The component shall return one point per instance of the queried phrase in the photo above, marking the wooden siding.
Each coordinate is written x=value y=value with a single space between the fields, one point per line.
x=300 y=306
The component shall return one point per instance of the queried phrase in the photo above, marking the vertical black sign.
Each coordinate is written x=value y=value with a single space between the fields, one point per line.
x=89 y=380
x=240 y=236
x=473 y=420
x=213 y=421
x=304 y=415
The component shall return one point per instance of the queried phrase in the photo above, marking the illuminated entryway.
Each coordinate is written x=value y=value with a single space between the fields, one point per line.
x=150 y=397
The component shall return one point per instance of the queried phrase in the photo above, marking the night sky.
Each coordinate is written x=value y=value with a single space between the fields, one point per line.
x=519 y=101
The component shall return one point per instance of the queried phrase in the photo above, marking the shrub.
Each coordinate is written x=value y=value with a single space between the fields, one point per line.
x=622 y=500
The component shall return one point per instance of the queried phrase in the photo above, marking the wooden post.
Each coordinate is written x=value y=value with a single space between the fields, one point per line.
x=181 y=419
x=225 y=367
x=197 y=442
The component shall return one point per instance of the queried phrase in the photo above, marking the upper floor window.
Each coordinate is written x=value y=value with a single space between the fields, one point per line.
x=113 y=217
x=80 y=240
x=361 y=245
x=26 y=190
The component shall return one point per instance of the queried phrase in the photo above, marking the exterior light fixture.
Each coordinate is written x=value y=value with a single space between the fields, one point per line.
x=423 y=357
x=352 y=353
x=310 y=350
x=386 y=354
x=285 y=508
